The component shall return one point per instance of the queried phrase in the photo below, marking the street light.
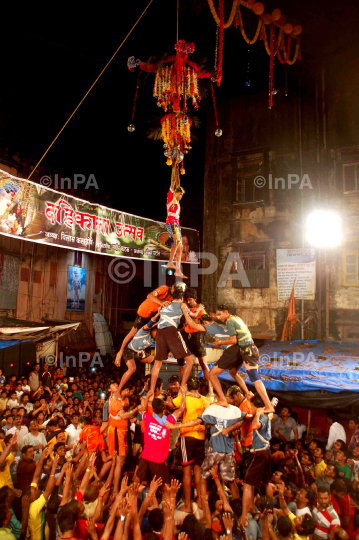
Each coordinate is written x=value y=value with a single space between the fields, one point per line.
x=324 y=230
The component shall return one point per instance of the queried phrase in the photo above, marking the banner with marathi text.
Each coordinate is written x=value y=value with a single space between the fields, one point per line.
x=40 y=214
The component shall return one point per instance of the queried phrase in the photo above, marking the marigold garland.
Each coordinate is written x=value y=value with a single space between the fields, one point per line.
x=231 y=16
x=243 y=32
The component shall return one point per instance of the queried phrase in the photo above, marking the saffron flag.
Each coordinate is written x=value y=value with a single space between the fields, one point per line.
x=291 y=316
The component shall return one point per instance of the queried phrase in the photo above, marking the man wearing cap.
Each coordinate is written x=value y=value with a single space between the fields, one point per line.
x=169 y=339
x=162 y=296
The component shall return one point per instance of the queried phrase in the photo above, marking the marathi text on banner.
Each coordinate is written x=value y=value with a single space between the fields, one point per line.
x=296 y=265
x=46 y=216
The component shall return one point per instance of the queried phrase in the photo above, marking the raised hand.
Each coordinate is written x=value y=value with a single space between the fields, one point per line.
x=214 y=470
x=124 y=484
x=174 y=487
x=228 y=522
x=123 y=508
x=155 y=484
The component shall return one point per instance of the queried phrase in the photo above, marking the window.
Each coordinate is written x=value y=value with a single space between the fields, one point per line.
x=350 y=177
x=248 y=168
x=350 y=268
x=256 y=267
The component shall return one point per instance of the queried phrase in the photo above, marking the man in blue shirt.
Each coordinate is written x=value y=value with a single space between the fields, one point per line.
x=139 y=349
x=220 y=451
x=169 y=339
x=241 y=350
x=259 y=467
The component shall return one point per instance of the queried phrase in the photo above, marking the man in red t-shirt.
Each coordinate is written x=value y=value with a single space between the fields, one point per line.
x=174 y=196
x=157 y=438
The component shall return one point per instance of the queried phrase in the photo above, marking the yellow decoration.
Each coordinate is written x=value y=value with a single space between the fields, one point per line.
x=231 y=16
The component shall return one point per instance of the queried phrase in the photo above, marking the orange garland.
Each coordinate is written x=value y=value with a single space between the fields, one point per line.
x=243 y=32
x=231 y=16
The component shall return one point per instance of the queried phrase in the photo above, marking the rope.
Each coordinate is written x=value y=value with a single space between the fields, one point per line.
x=78 y=106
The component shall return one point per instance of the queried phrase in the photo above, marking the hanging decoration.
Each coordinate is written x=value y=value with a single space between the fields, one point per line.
x=281 y=34
x=176 y=92
x=131 y=126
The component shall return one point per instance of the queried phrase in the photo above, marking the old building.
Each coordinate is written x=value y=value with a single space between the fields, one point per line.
x=312 y=133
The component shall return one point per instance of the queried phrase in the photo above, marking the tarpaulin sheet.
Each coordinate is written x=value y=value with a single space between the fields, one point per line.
x=297 y=366
x=5 y=344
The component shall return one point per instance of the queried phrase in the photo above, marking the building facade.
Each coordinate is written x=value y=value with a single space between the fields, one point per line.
x=263 y=177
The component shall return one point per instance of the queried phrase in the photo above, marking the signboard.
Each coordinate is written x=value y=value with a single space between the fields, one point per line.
x=50 y=217
x=296 y=265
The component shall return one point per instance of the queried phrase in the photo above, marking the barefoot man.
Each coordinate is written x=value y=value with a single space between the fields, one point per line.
x=174 y=196
x=241 y=350
x=162 y=296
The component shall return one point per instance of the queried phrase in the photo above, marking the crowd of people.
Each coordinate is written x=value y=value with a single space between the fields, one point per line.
x=110 y=453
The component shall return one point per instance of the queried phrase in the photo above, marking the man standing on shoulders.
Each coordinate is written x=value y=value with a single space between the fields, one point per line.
x=193 y=337
x=241 y=350
x=169 y=338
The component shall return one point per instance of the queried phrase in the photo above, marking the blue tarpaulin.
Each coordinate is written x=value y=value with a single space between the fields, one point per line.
x=308 y=368
x=309 y=365
x=5 y=343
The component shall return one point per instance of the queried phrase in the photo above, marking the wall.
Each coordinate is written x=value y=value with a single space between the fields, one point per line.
x=313 y=131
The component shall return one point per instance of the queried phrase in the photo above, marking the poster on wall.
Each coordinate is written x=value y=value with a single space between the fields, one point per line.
x=76 y=289
x=296 y=265
x=43 y=215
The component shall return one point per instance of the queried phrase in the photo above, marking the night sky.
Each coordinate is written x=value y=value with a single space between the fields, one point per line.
x=50 y=55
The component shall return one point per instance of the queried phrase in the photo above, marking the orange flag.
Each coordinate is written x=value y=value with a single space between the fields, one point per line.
x=291 y=316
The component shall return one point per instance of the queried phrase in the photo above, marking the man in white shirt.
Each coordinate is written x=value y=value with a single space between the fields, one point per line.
x=304 y=500
x=20 y=430
x=73 y=431
x=336 y=430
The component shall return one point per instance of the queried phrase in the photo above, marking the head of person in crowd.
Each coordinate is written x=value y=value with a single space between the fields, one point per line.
x=60 y=449
x=339 y=445
x=235 y=396
x=256 y=403
x=190 y=297
x=342 y=456
x=304 y=525
x=284 y=412
x=330 y=472
x=353 y=424
x=193 y=528
x=27 y=453
x=355 y=452
x=156 y=520
x=158 y=387
x=323 y=498
x=290 y=492
x=158 y=406
x=5 y=517
x=339 y=488
x=174 y=384
x=305 y=498
x=222 y=313
x=203 y=386
x=284 y=526
x=193 y=384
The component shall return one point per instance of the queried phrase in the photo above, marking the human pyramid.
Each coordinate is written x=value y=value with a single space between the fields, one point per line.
x=102 y=455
